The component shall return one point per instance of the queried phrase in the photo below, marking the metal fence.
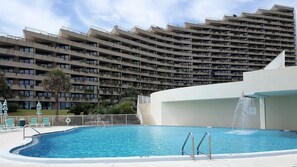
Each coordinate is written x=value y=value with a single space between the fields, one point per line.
x=80 y=120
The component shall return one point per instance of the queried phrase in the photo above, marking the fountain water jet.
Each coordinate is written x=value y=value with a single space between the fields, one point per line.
x=244 y=113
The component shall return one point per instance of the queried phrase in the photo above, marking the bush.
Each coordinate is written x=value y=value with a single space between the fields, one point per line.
x=126 y=107
x=12 y=107
x=84 y=108
x=114 y=109
x=124 y=99
x=100 y=110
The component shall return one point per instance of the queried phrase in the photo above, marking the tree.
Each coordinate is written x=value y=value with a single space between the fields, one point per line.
x=5 y=90
x=84 y=108
x=103 y=108
x=57 y=81
x=124 y=106
x=127 y=107
x=130 y=92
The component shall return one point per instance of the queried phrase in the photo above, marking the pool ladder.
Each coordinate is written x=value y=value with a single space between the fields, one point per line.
x=183 y=147
x=198 y=147
x=209 y=145
x=24 y=131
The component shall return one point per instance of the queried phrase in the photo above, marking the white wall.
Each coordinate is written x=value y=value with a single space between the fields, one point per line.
x=206 y=92
x=281 y=112
x=217 y=113
x=277 y=62
x=271 y=81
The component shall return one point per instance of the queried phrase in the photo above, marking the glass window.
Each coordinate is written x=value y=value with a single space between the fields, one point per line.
x=26 y=49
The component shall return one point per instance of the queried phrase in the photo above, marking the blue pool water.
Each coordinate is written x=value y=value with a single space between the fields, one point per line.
x=127 y=141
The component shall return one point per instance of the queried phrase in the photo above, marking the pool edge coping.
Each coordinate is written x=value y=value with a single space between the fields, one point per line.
x=14 y=157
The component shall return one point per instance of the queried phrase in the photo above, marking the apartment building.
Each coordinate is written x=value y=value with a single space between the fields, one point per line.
x=103 y=65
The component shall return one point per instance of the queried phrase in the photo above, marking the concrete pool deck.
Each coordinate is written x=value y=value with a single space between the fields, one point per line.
x=11 y=139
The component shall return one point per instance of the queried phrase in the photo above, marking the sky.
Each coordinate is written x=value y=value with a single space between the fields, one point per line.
x=80 y=15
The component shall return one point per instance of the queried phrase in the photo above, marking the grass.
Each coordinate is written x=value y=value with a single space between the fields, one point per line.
x=33 y=112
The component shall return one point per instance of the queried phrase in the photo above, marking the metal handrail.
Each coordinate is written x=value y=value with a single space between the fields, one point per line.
x=183 y=147
x=24 y=131
x=209 y=145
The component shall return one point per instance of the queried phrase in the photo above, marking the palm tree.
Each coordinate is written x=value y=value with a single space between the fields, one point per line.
x=57 y=81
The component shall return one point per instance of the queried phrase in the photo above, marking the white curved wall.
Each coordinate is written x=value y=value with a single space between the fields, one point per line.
x=207 y=92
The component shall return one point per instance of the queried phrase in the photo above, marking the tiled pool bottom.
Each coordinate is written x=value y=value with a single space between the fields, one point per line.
x=13 y=139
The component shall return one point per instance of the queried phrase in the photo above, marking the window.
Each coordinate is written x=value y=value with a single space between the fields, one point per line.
x=26 y=93
x=26 y=71
x=9 y=81
x=7 y=69
x=27 y=49
x=92 y=70
x=92 y=79
x=44 y=94
x=63 y=94
x=91 y=96
x=64 y=66
x=76 y=95
x=26 y=82
x=91 y=87
x=29 y=61
x=78 y=87
x=66 y=47
x=65 y=57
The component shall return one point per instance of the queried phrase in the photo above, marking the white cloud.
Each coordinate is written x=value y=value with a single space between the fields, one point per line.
x=143 y=13
x=16 y=15
x=200 y=10
x=50 y=16
x=127 y=13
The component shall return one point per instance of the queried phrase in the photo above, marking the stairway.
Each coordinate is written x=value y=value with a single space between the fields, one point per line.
x=147 y=118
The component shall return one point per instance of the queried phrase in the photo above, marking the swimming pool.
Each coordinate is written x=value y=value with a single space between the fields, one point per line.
x=130 y=141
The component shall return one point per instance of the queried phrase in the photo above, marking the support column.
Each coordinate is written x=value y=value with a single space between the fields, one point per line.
x=262 y=113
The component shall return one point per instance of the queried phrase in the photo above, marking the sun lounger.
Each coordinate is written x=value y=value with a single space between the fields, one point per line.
x=34 y=122
x=9 y=123
x=46 y=121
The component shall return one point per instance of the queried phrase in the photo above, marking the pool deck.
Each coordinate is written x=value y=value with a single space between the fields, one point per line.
x=14 y=138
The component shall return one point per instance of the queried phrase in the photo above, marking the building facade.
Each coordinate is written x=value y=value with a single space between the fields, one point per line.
x=104 y=65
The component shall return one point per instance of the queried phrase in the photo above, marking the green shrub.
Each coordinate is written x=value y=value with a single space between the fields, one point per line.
x=102 y=109
x=84 y=108
x=126 y=107
x=114 y=109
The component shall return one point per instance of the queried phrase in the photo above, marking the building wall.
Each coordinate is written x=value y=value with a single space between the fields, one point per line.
x=216 y=113
x=104 y=65
x=281 y=112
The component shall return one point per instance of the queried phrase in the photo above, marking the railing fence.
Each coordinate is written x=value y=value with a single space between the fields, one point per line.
x=79 y=120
